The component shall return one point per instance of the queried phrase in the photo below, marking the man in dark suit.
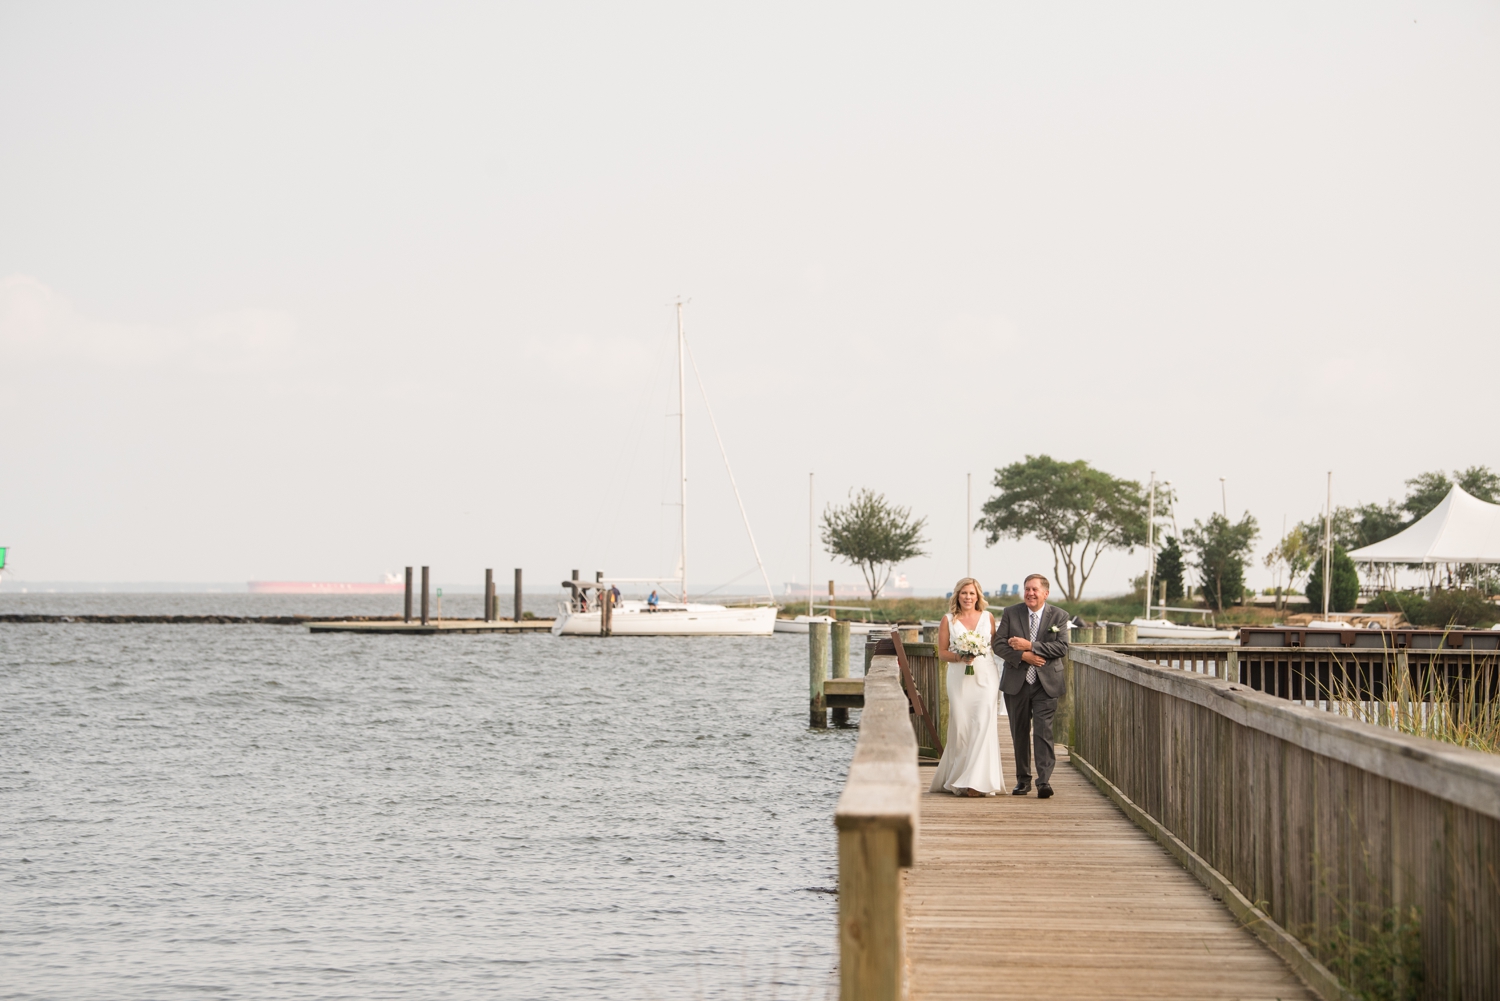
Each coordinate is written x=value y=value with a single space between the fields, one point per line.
x=1032 y=640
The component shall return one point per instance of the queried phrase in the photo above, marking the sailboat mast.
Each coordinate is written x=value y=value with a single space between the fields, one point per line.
x=1151 y=543
x=682 y=451
x=809 y=543
x=1328 y=546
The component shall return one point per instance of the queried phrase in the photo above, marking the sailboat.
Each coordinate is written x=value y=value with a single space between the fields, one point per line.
x=681 y=617
x=1163 y=628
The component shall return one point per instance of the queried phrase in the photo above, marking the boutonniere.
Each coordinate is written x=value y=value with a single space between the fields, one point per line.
x=1052 y=630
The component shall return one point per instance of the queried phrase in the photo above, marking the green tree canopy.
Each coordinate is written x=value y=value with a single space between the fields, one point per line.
x=1343 y=595
x=1169 y=569
x=1295 y=553
x=874 y=535
x=1221 y=548
x=1079 y=511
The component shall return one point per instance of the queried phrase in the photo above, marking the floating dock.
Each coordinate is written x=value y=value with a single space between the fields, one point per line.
x=432 y=626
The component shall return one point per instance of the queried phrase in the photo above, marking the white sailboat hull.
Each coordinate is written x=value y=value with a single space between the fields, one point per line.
x=800 y=624
x=1160 y=629
x=634 y=619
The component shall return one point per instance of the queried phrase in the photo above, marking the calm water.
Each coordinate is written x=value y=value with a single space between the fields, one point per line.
x=256 y=812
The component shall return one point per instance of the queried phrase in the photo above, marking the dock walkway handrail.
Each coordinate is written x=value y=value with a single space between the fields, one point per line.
x=1310 y=824
x=877 y=821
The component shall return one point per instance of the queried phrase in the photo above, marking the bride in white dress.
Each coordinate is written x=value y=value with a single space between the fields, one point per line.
x=971 y=755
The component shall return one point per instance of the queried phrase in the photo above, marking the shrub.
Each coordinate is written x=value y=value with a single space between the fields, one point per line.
x=1344 y=594
x=1413 y=606
x=1460 y=608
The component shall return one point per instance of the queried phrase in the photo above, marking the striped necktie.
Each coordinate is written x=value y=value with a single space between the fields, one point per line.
x=1036 y=620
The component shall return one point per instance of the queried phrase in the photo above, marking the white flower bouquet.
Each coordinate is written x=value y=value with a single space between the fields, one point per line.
x=970 y=645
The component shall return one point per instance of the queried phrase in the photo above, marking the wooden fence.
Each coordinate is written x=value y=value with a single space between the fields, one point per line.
x=931 y=677
x=1314 y=828
x=877 y=820
x=1323 y=667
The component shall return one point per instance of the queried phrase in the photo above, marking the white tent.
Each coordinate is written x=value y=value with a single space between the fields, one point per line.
x=1462 y=529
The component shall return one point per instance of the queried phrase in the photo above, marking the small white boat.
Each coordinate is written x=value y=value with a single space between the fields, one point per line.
x=800 y=624
x=638 y=618
x=1162 y=629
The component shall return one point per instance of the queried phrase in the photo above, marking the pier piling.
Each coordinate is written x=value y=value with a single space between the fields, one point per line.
x=407 y=617
x=518 y=595
x=489 y=594
x=840 y=633
x=817 y=664
x=424 y=595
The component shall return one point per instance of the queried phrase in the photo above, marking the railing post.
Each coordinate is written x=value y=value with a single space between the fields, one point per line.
x=817 y=671
x=1232 y=666
x=872 y=915
x=840 y=632
x=877 y=819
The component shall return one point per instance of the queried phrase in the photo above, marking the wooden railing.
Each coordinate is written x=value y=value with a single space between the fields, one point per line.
x=1218 y=660
x=931 y=677
x=877 y=820
x=1314 y=828
x=1326 y=667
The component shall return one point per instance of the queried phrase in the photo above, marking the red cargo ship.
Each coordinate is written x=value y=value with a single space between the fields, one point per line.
x=391 y=585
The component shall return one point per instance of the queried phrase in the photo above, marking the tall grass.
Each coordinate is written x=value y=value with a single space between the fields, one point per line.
x=1462 y=710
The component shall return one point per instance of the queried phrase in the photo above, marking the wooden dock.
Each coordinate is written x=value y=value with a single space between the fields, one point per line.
x=1015 y=897
x=432 y=626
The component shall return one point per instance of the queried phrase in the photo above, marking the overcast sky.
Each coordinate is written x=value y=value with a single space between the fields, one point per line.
x=315 y=291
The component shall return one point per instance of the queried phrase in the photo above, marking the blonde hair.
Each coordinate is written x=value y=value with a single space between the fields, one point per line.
x=979 y=606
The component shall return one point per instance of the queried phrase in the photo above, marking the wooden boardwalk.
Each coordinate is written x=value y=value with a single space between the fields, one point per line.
x=1015 y=897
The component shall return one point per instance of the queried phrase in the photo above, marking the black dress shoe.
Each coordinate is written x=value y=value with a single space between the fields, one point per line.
x=1021 y=789
x=1043 y=791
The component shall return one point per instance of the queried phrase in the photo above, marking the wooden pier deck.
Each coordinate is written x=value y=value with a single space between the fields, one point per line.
x=1015 y=897
x=433 y=626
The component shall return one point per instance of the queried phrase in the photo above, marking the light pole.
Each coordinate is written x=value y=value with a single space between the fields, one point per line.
x=1224 y=497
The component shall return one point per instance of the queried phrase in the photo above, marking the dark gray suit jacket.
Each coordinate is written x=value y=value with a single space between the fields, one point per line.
x=1051 y=642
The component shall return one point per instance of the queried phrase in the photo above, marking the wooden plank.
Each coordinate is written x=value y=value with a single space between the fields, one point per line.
x=1015 y=897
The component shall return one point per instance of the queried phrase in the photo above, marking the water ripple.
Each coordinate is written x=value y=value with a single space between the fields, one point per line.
x=256 y=812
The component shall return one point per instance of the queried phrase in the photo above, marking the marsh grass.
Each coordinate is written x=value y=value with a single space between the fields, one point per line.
x=1460 y=708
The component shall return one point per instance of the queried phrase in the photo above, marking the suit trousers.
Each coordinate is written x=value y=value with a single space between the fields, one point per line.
x=1031 y=711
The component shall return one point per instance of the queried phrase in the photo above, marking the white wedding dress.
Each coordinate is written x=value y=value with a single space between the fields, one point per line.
x=971 y=752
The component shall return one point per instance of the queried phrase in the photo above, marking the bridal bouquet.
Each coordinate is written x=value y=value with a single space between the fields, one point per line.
x=970 y=645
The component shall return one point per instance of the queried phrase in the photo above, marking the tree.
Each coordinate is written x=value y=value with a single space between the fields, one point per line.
x=1482 y=482
x=1425 y=492
x=1079 y=511
x=873 y=535
x=1169 y=569
x=1221 y=548
x=1295 y=553
x=1344 y=594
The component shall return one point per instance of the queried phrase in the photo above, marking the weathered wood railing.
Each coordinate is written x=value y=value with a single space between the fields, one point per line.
x=1218 y=660
x=1313 y=827
x=931 y=677
x=1325 y=667
x=877 y=820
